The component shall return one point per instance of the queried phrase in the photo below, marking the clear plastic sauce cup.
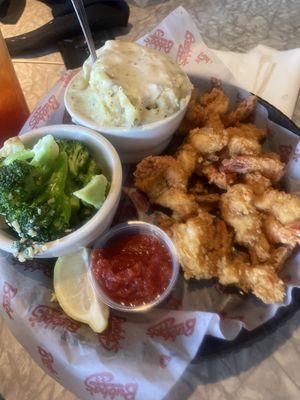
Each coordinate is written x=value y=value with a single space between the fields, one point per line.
x=125 y=230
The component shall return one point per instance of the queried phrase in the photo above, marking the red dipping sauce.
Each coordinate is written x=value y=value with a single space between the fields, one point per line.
x=133 y=269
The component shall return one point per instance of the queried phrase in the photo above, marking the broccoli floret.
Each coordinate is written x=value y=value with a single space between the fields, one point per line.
x=44 y=216
x=92 y=170
x=32 y=222
x=78 y=156
x=18 y=182
x=14 y=175
x=45 y=153
x=11 y=146
x=54 y=195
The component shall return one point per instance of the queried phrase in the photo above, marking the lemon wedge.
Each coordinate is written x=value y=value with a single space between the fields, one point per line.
x=75 y=292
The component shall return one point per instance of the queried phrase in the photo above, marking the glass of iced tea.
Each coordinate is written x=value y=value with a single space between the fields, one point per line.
x=13 y=107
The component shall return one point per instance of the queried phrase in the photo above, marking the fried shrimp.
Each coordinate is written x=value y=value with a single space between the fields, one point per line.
x=216 y=105
x=200 y=242
x=195 y=115
x=259 y=183
x=214 y=176
x=207 y=140
x=238 y=211
x=269 y=165
x=248 y=131
x=284 y=206
x=261 y=279
x=225 y=218
x=280 y=234
x=164 y=181
x=242 y=112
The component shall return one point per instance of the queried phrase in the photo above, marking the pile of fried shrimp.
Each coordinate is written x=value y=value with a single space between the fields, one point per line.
x=223 y=206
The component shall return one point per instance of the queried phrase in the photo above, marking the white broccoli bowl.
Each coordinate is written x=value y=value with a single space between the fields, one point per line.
x=107 y=158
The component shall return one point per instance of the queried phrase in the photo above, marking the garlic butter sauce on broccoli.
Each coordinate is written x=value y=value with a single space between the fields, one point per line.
x=48 y=191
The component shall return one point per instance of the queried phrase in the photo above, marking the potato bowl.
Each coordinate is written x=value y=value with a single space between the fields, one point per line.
x=107 y=158
x=132 y=144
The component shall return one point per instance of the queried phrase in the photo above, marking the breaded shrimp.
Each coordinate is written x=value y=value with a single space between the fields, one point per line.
x=261 y=279
x=242 y=112
x=216 y=177
x=284 y=206
x=238 y=210
x=269 y=165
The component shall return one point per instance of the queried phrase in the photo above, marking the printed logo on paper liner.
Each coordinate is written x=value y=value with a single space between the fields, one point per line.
x=202 y=57
x=184 y=50
x=51 y=318
x=157 y=41
x=9 y=292
x=169 y=329
x=103 y=383
x=47 y=359
x=43 y=112
x=113 y=335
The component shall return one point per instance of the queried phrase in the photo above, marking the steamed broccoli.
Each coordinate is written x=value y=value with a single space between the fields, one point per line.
x=41 y=213
x=78 y=156
x=37 y=186
x=17 y=183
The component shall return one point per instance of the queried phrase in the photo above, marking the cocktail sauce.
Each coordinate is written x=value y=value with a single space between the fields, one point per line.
x=134 y=269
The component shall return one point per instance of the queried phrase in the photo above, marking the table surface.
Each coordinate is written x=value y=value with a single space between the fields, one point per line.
x=269 y=369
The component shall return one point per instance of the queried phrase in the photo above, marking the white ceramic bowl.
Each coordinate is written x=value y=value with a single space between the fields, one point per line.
x=107 y=158
x=132 y=144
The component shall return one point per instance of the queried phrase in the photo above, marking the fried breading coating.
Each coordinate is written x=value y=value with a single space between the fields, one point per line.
x=208 y=202
x=200 y=242
x=198 y=188
x=182 y=204
x=242 y=112
x=269 y=165
x=284 y=206
x=216 y=177
x=280 y=256
x=208 y=140
x=261 y=279
x=247 y=131
x=187 y=157
x=195 y=115
x=278 y=233
x=237 y=209
x=208 y=198
x=215 y=102
x=216 y=105
x=163 y=221
x=155 y=174
x=241 y=146
x=164 y=181
x=195 y=112
x=259 y=183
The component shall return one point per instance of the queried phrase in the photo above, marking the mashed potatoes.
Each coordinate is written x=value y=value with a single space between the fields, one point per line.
x=129 y=85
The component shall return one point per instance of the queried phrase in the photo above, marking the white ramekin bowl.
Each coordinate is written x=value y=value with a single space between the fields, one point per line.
x=107 y=158
x=132 y=144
